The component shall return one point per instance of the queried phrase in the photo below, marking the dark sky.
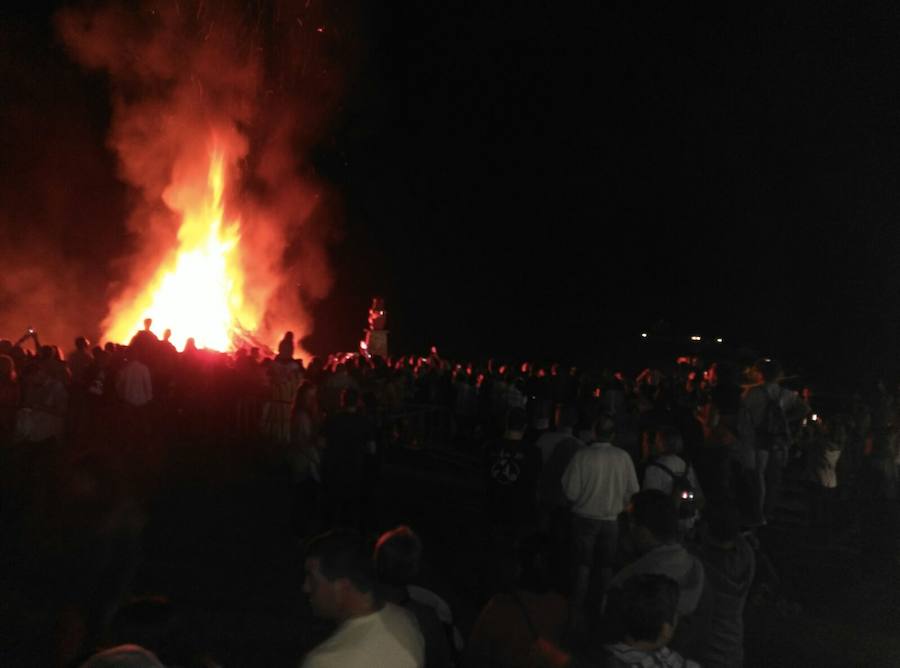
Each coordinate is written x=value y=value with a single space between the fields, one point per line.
x=549 y=181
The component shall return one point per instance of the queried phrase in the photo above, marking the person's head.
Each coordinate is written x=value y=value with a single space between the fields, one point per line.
x=148 y=322
x=286 y=346
x=669 y=441
x=339 y=574
x=398 y=555
x=148 y=621
x=654 y=519
x=123 y=656
x=604 y=428
x=769 y=370
x=647 y=608
x=81 y=343
x=167 y=334
x=566 y=416
x=516 y=422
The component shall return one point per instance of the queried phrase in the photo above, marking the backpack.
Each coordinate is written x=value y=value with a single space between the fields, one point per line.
x=682 y=491
x=772 y=432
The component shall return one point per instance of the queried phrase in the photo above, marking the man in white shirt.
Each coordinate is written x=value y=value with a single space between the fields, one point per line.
x=133 y=384
x=599 y=483
x=340 y=584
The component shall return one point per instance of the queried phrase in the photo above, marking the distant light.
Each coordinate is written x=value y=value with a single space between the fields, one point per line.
x=720 y=340
x=643 y=335
x=695 y=338
x=814 y=417
x=320 y=29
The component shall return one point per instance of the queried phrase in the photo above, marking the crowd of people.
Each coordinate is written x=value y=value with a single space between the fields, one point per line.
x=624 y=510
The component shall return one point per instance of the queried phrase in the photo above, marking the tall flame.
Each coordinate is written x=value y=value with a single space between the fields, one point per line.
x=198 y=292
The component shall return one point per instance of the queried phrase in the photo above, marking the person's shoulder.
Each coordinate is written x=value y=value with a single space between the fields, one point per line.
x=431 y=599
x=391 y=612
x=329 y=654
x=673 y=462
x=580 y=455
x=617 y=452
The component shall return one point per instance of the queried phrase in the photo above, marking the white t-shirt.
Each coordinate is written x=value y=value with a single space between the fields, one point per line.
x=600 y=481
x=389 y=638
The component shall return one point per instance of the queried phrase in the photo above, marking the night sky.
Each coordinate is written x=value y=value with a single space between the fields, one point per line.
x=546 y=181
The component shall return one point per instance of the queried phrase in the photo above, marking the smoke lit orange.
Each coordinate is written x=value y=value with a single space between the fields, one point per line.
x=198 y=292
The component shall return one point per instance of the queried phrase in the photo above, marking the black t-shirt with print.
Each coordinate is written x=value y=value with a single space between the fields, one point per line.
x=512 y=469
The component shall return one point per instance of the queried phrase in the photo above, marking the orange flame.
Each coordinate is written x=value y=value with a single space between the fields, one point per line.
x=198 y=292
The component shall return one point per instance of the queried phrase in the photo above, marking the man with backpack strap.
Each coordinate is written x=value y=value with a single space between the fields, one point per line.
x=670 y=473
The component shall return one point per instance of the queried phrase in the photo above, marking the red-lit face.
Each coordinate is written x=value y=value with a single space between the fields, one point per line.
x=324 y=595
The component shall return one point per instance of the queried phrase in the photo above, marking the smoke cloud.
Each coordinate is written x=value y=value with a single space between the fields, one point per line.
x=258 y=80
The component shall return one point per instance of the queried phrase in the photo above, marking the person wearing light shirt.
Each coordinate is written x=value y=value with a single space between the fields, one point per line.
x=133 y=384
x=371 y=633
x=598 y=483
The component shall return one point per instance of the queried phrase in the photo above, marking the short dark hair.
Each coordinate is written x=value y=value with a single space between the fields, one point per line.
x=566 y=415
x=770 y=369
x=604 y=427
x=673 y=443
x=644 y=603
x=398 y=553
x=655 y=511
x=343 y=553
